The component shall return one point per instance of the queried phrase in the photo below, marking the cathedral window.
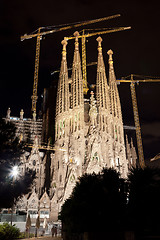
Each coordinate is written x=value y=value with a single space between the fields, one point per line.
x=34 y=162
x=70 y=125
x=37 y=170
x=60 y=178
x=44 y=214
x=85 y=156
x=63 y=127
x=70 y=102
x=75 y=122
x=112 y=130
x=116 y=137
x=118 y=163
x=106 y=125
x=58 y=165
x=70 y=87
x=78 y=121
x=72 y=178
x=119 y=132
x=57 y=130
x=33 y=214
x=112 y=163
x=60 y=132
x=95 y=157
x=63 y=123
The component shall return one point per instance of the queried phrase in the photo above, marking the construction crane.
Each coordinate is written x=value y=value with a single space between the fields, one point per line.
x=132 y=82
x=41 y=32
x=83 y=40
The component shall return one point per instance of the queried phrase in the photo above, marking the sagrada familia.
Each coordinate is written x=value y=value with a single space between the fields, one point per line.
x=89 y=136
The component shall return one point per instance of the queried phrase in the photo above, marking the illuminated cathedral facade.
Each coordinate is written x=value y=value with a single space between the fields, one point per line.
x=89 y=136
x=90 y=132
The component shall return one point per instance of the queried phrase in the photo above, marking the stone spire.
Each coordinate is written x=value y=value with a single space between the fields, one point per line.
x=8 y=113
x=21 y=114
x=93 y=110
x=115 y=107
x=102 y=86
x=77 y=81
x=62 y=104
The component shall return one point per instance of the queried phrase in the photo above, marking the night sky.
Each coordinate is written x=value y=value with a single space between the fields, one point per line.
x=136 y=51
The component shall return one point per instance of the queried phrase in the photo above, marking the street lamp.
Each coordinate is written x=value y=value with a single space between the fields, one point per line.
x=14 y=172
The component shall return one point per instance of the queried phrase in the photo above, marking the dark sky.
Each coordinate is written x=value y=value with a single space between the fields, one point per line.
x=135 y=51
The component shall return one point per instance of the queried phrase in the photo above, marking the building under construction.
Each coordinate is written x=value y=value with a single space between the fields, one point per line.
x=88 y=135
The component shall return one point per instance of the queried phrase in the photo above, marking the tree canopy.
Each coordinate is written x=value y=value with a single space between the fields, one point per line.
x=97 y=202
x=143 y=208
x=106 y=202
x=10 y=151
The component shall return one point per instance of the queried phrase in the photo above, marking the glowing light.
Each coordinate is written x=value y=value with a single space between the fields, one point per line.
x=15 y=172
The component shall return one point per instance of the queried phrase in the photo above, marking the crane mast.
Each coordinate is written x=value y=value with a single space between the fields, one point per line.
x=36 y=70
x=136 y=115
x=84 y=68
x=137 y=124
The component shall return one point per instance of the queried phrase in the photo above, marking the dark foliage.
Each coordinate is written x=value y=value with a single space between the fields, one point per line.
x=97 y=203
x=143 y=208
x=8 y=232
x=10 y=151
x=107 y=203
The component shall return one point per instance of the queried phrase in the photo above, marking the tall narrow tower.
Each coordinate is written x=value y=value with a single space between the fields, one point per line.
x=61 y=131
x=117 y=132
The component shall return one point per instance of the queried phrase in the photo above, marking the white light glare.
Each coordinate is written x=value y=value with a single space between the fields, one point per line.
x=15 y=172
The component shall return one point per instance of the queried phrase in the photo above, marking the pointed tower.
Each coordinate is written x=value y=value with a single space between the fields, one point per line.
x=58 y=167
x=103 y=105
x=117 y=132
x=77 y=90
x=62 y=104
x=115 y=107
x=102 y=91
x=102 y=86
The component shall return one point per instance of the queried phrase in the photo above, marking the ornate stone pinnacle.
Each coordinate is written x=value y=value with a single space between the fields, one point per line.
x=76 y=34
x=110 y=53
x=99 y=40
x=21 y=114
x=34 y=116
x=64 y=43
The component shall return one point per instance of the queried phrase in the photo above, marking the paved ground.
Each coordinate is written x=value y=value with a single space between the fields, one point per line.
x=46 y=238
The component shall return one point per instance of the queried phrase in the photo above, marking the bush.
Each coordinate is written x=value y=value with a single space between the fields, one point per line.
x=25 y=235
x=97 y=203
x=8 y=232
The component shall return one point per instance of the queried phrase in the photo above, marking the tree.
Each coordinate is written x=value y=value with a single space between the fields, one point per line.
x=143 y=209
x=9 y=232
x=10 y=152
x=28 y=224
x=37 y=225
x=96 y=203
